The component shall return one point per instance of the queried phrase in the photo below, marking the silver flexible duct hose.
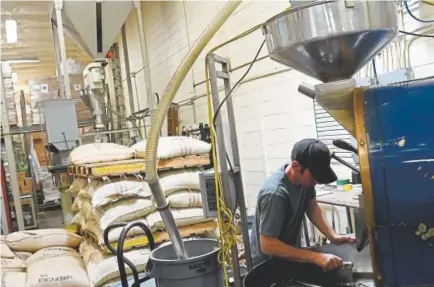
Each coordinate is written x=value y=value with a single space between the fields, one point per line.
x=160 y=115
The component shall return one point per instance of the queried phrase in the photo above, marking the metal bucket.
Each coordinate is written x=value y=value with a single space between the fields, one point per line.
x=202 y=268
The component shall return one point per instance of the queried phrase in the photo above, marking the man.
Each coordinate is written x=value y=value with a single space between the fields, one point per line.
x=284 y=199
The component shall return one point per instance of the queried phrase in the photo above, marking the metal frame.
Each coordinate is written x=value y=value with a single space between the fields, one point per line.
x=145 y=60
x=62 y=70
x=118 y=95
x=212 y=60
x=11 y=157
x=28 y=146
x=28 y=200
x=6 y=222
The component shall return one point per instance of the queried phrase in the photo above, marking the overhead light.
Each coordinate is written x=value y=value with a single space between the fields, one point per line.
x=11 y=31
x=22 y=60
x=14 y=78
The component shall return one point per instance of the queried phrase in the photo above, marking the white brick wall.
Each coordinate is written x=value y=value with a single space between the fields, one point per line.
x=270 y=114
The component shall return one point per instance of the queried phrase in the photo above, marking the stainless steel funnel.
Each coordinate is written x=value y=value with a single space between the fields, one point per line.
x=93 y=25
x=331 y=41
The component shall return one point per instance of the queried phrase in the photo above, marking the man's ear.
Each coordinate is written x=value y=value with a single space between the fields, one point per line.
x=295 y=165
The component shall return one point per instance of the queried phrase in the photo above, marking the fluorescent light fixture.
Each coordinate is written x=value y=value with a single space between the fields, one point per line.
x=14 y=78
x=11 y=31
x=22 y=60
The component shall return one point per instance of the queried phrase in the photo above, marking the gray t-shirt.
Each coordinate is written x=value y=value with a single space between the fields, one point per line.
x=279 y=212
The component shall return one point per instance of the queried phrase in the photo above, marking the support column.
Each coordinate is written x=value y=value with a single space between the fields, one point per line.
x=58 y=5
x=145 y=59
x=11 y=158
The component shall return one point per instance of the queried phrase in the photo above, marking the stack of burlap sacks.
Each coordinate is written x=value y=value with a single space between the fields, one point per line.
x=101 y=202
x=42 y=258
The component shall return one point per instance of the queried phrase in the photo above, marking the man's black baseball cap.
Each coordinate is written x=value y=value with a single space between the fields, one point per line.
x=315 y=156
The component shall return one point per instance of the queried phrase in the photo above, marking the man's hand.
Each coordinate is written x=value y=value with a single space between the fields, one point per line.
x=328 y=261
x=342 y=239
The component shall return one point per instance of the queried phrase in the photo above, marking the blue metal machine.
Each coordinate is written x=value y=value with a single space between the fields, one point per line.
x=399 y=132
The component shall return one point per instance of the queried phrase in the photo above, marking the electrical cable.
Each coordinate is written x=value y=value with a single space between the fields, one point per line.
x=157 y=96
x=417 y=35
x=413 y=16
x=237 y=83
x=224 y=100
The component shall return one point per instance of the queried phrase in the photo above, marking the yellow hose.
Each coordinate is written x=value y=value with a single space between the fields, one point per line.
x=242 y=35
x=429 y=2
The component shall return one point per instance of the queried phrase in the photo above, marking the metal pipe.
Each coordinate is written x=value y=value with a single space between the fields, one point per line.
x=374 y=70
x=145 y=58
x=409 y=44
x=127 y=69
x=236 y=68
x=350 y=166
x=251 y=79
x=58 y=4
x=97 y=111
x=106 y=132
x=57 y=52
x=249 y=63
x=307 y=90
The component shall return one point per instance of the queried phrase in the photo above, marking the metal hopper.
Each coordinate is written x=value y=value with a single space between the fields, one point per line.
x=93 y=25
x=330 y=41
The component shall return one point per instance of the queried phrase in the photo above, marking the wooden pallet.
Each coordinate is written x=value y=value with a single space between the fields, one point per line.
x=183 y=162
x=134 y=166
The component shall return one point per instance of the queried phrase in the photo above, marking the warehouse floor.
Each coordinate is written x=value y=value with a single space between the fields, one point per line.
x=50 y=219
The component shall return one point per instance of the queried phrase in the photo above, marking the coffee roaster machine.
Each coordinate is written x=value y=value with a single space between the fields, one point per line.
x=330 y=41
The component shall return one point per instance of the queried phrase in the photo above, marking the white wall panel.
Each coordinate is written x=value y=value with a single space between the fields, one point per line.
x=270 y=114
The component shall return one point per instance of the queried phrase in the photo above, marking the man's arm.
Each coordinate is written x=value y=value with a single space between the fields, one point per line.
x=276 y=248
x=271 y=222
x=317 y=218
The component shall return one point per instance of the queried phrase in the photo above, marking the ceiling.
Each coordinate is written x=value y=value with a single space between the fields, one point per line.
x=34 y=40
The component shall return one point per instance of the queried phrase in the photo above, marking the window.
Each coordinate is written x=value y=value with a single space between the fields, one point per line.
x=328 y=129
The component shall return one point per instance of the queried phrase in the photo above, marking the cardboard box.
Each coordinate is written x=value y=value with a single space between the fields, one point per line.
x=82 y=111
x=38 y=135
x=21 y=176
x=26 y=185
x=43 y=84
x=39 y=143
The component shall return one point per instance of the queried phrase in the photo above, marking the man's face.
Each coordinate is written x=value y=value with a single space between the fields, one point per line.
x=303 y=175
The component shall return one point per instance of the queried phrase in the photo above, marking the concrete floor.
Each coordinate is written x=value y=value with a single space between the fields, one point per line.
x=50 y=219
